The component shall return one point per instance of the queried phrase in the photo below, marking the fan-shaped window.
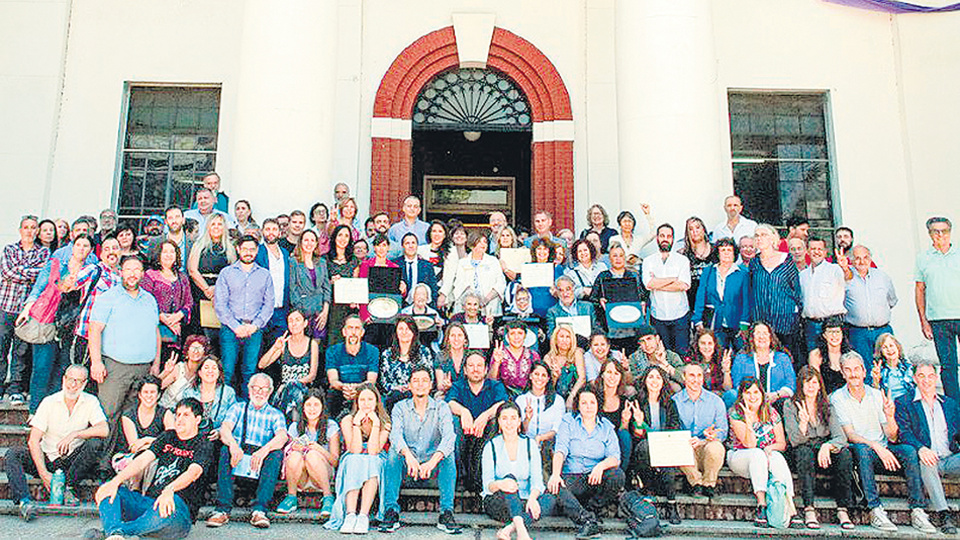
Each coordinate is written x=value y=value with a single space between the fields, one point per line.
x=472 y=100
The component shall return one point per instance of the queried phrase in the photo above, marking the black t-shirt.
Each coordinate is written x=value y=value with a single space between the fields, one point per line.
x=174 y=456
x=153 y=430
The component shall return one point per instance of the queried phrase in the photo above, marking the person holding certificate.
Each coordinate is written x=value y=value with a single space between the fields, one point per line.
x=757 y=442
x=623 y=339
x=341 y=263
x=381 y=248
x=478 y=272
x=542 y=252
x=653 y=410
x=586 y=268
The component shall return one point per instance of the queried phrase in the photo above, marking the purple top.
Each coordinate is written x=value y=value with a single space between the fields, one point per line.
x=171 y=296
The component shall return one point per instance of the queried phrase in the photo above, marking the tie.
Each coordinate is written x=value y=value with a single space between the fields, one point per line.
x=413 y=278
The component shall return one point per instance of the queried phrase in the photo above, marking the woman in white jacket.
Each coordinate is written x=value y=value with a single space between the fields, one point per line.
x=478 y=272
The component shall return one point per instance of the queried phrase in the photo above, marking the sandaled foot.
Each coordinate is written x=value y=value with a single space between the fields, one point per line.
x=810 y=518
x=844 y=518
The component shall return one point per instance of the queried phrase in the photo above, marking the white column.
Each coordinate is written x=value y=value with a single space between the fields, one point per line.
x=283 y=147
x=668 y=106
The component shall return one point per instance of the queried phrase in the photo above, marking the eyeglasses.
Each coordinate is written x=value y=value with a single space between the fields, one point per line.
x=939 y=231
x=260 y=388
x=76 y=381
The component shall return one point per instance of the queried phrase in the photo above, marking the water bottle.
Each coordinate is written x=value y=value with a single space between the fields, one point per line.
x=56 y=487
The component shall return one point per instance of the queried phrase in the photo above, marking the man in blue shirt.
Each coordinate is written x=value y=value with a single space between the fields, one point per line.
x=421 y=446
x=705 y=416
x=411 y=223
x=473 y=401
x=124 y=339
x=244 y=304
x=349 y=363
x=938 y=298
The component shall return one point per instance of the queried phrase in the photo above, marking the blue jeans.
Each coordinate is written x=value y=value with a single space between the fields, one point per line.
x=626 y=448
x=229 y=349
x=867 y=461
x=44 y=374
x=395 y=472
x=811 y=331
x=945 y=335
x=269 y=473
x=863 y=340
x=132 y=514
x=675 y=334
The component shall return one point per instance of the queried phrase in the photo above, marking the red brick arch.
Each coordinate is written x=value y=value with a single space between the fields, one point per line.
x=436 y=52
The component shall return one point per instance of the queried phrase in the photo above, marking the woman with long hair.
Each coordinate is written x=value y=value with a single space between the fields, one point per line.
x=299 y=358
x=699 y=251
x=512 y=360
x=507 y=239
x=176 y=377
x=763 y=360
x=127 y=239
x=611 y=389
x=397 y=361
x=818 y=439
x=171 y=288
x=47 y=235
x=566 y=361
x=346 y=214
x=458 y=250
x=63 y=231
x=437 y=246
x=244 y=216
x=542 y=252
x=365 y=431
x=541 y=409
x=831 y=345
x=312 y=453
x=453 y=354
x=653 y=410
x=310 y=284
x=212 y=252
x=216 y=397
x=140 y=425
x=756 y=447
x=599 y=222
x=714 y=359
x=598 y=353
x=341 y=263
x=891 y=373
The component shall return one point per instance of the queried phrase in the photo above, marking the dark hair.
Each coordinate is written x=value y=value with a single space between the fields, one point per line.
x=172 y=207
x=587 y=389
x=667 y=226
x=506 y=406
x=823 y=405
x=124 y=227
x=473 y=237
x=176 y=250
x=148 y=379
x=537 y=242
x=598 y=382
x=209 y=358
x=55 y=243
x=417 y=368
x=474 y=352
x=314 y=209
x=415 y=355
x=191 y=403
x=834 y=321
x=763 y=415
x=129 y=257
x=298 y=253
x=796 y=221
x=445 y=245
x=714 y=361
x=626 y=214
x=409 y=234
x=843 y=228
x=815 y=238
x=269 y=220
x=641 y=385
x=324 y=417
x=727 y=242
x=247 y=238
x=938 y=219
x=379 y=238
x=775 y=345
x=348 y=251
x=550 y=391
x=196 y=338
x=576 y=246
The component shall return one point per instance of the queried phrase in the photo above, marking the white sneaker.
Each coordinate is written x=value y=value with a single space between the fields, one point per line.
x=920 y=521
x=879 y=520
x=349 y=524
x=363 y=525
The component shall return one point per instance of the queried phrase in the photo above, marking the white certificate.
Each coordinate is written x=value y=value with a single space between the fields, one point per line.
x=514 y=258
x=580 y=324
x=478 y=336
x=537 y=275
x=670 y=448
x=351 y=291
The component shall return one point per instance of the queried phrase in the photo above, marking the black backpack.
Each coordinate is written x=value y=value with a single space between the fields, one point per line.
x=640 y=515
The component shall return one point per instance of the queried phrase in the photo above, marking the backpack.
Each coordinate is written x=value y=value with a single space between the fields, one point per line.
x=640 y=514
x=777 y=505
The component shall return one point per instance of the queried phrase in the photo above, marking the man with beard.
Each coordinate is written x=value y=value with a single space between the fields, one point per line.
x=667 y=276
x=290 y=240
x=173 y=221
x=497 y=222
x=96 y=279
x=124 y=339
x=108 y=224
x=244 y=304
x=349 y=363
x=283 y=220
x=253 y=435
x=66 y=434
x=170 y=504
x=205 y=208
x=842 y=247
x=277 y=261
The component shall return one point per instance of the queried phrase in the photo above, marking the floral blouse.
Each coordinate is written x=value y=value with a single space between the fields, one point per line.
x=395 y=373
x=764 y=431
x=515 y=371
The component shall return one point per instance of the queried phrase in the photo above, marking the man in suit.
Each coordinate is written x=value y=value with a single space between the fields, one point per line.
x=277 y=260
x=415 y=270
x=929 y=422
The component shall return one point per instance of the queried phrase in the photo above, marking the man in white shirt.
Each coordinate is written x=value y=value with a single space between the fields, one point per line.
x=735 y=226
x=824 y=290
x=277 y=260
x=667 y=275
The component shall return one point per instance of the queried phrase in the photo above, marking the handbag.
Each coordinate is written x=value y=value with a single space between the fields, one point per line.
x=39 y=327
x=778 y=505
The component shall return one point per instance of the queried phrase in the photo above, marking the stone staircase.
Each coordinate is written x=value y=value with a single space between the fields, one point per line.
x=729 y=513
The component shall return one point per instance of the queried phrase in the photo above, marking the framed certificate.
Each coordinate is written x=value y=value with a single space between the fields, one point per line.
x=350 y=291
x=537 y=275
x=670 y=448
x=515 y=258
x=478 y=336
x=580 y=324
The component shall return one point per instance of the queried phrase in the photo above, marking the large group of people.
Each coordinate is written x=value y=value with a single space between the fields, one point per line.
x=218 y=350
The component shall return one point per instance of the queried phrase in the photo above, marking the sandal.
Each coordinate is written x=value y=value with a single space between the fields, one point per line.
x=796 y=522
x=844 y=518
x=810 y=518
x=760 y=518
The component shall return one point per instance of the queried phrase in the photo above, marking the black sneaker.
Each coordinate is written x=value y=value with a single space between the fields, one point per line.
x=589 y=529
x=27 y=510
x=673 y=514
x=390 y=523
x=947 y=525
x=696 y=491
x=760 y=518
x=709 y=492
x=448 y=524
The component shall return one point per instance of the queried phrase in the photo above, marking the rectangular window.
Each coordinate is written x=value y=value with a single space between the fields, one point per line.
x=781 y=161
x=169 y=144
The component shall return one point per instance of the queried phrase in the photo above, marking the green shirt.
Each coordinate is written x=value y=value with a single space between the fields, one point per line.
x=639 y=361
x=940 y=273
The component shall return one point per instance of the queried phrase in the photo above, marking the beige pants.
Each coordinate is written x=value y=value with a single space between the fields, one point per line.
x=708 y=460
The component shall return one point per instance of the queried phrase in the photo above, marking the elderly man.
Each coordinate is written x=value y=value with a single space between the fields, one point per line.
x=867 y=418
x=253 y=435
x=66 y=433
x=349 y=363
x=569 y=306
x=212 y=182
x=823 y=287
x=20 y=265
x=411 y=223
x=170 y=505
x=666 y=275
x=543 y=228
x=735 y=226
x=937 y=296
x=704 y=415
x=204 y=208
x=422 y=443
x=930 y=422
x=108 y=224
x=748 y=250
x=798 y=252
x=870 y=297
x=124 y=339
x=497 y=222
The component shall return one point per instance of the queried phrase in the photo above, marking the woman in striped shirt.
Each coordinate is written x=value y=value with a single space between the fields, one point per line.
x=775 y=284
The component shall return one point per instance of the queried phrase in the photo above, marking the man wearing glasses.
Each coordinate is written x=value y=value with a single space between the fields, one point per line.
x=65 y=433
x=937 y=296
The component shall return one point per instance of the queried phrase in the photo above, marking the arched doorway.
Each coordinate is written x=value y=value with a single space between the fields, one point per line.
x=472 y=132
x=551 y=148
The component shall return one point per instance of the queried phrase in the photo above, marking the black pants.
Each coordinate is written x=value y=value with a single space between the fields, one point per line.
x=468 y=465
x=841 y=472
x=795 y=344
x=503 y=507
x=77 y=466
x=594 y=497
x=19 y=355
x=656 y=480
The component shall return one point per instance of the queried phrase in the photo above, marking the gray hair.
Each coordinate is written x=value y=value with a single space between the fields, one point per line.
x=76 y=367
x=926 y=361
x=851 y=356
x=426 y=289
x=566 y=279
x=769 y=228
x=257 y=376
